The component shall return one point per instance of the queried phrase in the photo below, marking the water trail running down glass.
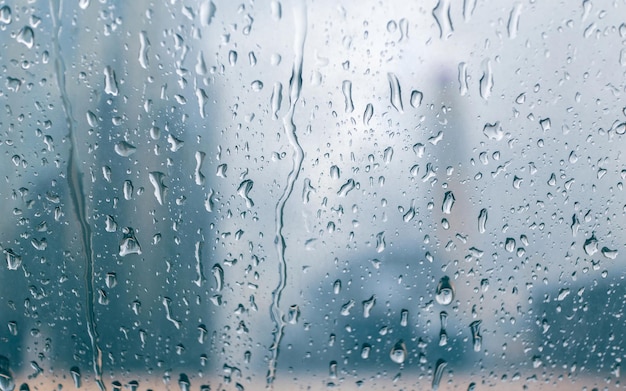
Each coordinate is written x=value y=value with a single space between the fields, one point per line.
x=295 y=86
x=75 y=183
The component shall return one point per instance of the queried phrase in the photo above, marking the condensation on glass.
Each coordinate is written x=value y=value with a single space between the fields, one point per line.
x=308 y=194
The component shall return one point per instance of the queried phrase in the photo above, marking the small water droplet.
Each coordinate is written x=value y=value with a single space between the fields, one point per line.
x=445 y=291
x=482 y=221
x=129 y=244
x=26 y=36
x=448 y=202
x=398 y=353
x=368 y=305
x=416 y=98
x=5 y=15
x=591 y=245
x=257 y=85
x=346 y=88
x=110 y=81
x=365 y=351
x=438 y=374
x=367 y=114
x=477 y=338
x=75 y=372
x=395 y=92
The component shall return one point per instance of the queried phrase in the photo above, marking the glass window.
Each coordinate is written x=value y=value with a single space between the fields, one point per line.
x=307 y=194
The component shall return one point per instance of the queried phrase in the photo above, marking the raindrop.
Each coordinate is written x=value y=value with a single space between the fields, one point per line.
x=6 y=377
x=156 y=179
x=218 y=274
x=111 y=280
x=294 y=314
x=110 y=81
x=129 y=244
x=404 y=318
x=144 y=46
x=183 y=382
x=346 y=88
x=463 y=79
x=232 y=59
x=477 y=338
x=545 y=124
x=398 y=353
x=591 y=245
x=493 y=131
x=276 y=99
x=482 y=221
x=448 y=202
x=438 y=374
x=367 y=114
x=75 y=372
x=14 y=261
x=513 y=24
x=416 y=98
x=486 y=81
x=5 y=15
x=26 y=36
x=441 y=13
x=445 y=291
x=345 y=309
x=368 y=305
x=468 y=9
x=244 y=192
x=337 y=287
x=110 y=224
x=509 y=245
x=608 y=253
x=124 y=149
x=257 y=85
x=365 y=351
x=395 y=91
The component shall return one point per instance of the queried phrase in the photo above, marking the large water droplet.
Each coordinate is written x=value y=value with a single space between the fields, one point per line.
x=477 y=338
x=398 y=353
x=5 y=15
x=445 y=291
x=441 y=13
x=26 y=36
x=395 y=92
x=14 y=261
x=438 y=374
x=346 y=88
x=482 y=221
x=448 y=202
x=591 y=245
x=129 y=244
x=6 y=377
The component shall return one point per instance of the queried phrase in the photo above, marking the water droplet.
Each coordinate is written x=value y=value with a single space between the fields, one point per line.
x=395 y=92
x=124 y=149
x=183 y=382
x=438 y=374
x=257 y=85
x=75 y=372
x=346 y=88
x=346 y=188
x=218 y=274
x=545 y=124
x=463 y=79
x=13 y=328
x=448 y=202
x=493 y=131
x=591 y=245
x=482 y=221
x=276 y=99
x=6 y=377
x=477 y=338
x=156 y=179
x=486 y=81
x=26 y=36
x=83 y=4
x=111 y=279
x=441 y=13
x=387 y=155
x=416 y=98
x=294 y=314
x=345 y=309
x=244 y=192
x=513 y=24
x=509 y=245
x=575 y=225
x=14 y=261
x=445 y=291
x=380 y=242
x=468 y=9
x=5 y=15
x=368 y=305
x=144 y=46
x=365 y=351
x=367 y=114
x=337 y=287
x=110 y=224
x=129 y=244
x=404 y=318
x=608 y=253
x=110 y=81
x=198 y=176
x=276 y=8
x=398 y=353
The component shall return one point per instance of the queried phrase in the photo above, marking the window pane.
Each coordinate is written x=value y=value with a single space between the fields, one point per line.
x=311 y=194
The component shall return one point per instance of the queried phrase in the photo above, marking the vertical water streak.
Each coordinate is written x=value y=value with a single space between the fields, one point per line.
x=75 y=184
x=295 y=86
